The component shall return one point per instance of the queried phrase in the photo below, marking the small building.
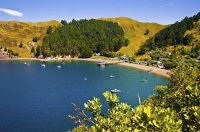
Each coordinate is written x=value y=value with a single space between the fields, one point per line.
x=97 y=54
x=161 y=59
x=167 y=53
x=155 y=62
x=156 y=51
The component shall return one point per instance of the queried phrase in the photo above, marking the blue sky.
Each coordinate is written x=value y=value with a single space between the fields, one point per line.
x=158 y=11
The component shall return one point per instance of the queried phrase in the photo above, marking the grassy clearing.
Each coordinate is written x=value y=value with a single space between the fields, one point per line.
x=134 y=31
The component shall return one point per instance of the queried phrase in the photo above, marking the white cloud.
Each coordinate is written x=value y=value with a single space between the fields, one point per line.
x=169 y=4
x=165 y=5
x=11 y=12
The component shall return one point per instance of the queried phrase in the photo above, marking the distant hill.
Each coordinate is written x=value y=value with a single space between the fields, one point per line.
x=12 y=33
x=180 y=38
x=134 y=31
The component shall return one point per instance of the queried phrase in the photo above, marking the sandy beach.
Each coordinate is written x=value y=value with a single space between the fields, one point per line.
x=158 y=71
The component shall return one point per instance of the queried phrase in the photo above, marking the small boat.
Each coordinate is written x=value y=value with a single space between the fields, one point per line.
x=115 y=90
x=143 y=80
x=102 y=65
x=111 y=76
x=63 y=63
x=25 y=63
x=43 y=65
x=59 y=66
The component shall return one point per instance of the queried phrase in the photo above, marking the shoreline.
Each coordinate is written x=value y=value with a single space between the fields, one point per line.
x=154 y=70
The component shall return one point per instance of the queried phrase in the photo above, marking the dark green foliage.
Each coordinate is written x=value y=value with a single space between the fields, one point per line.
x=12 y=53
x=49 y=30
x=147 y=32
x=35 y=39
x=63 y=22
x=83 y=38
x=188 y=39
x=38 y=51
x=33 y=50
x=197 y=50
x=174 y=34
x=171 y=63
x=21 y=45
x=5 y=49
x=156 y=56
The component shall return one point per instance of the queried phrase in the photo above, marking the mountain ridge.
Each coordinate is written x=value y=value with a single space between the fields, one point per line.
x=15 y=32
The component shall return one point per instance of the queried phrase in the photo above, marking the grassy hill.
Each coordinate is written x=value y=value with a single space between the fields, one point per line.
x=134 y=31
x=12 y=33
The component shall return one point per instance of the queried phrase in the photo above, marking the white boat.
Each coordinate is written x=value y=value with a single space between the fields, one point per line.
x=143 y=80
x=115 y=90
x=59 y=66
x=43 y=65
x=111 y=76
x=25 y=63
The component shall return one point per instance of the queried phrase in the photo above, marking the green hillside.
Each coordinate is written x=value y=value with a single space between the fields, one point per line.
x=134 y=31
x=12 y=33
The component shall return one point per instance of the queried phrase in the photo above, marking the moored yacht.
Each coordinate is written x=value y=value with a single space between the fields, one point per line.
x=115 y=90
x=111 y=76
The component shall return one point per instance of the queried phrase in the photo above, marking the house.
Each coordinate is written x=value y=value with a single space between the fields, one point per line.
x=167 y=53
x=97 y=54
x=161 y=59
x=156 y=51
x=155 y=62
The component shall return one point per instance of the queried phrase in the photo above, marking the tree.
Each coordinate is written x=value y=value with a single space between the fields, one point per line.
x=38 y=51
x=5 y=49
x=63 y=22
x=21 y=45
x=188 y=39
x=35 y=39
x=33 y=50
x=146 y=32
x=49 y=30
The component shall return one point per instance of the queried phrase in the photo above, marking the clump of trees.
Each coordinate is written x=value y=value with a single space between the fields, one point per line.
x=35 y=39
x=146 y=32
x=21 y=45
x=175 y=107
x=83 y=38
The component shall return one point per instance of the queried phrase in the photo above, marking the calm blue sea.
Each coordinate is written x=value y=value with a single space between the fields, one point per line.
x=38 y=99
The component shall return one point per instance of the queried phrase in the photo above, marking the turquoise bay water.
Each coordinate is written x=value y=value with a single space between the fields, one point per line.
x=38 y=99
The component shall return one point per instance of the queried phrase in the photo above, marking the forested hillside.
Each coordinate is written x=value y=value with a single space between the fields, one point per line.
x=185 y=33
x=83 y=38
